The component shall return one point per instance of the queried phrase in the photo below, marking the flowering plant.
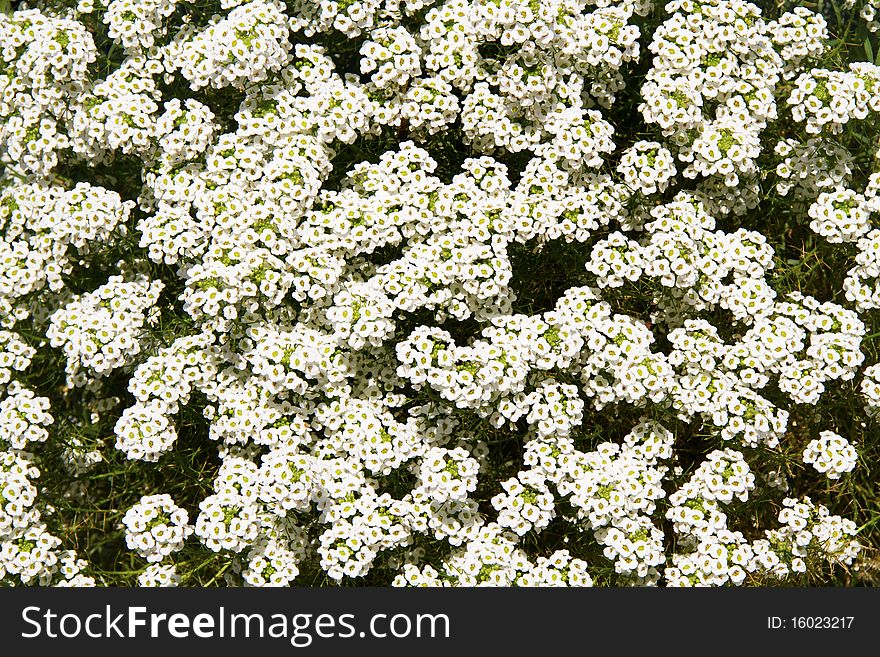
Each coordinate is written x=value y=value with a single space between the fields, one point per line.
x=438 y=292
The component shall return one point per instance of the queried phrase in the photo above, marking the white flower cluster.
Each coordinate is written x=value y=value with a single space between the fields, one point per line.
x=870 y=389
x=185 y=130
x=647 y=167
x=15 y=355
x=811 y=166
x=23 y=417
x=17 y=494
x=525 y=504
x=144 y=432
x=156 y=527
x=355 y=331
x=808 y=532
x=118 y=112
x=44 y=69
x=615 y=491
x=843 y=215
x=491 y=558
x=137 y=23
x=861 y=284
x=160 y=385
x=239 y=49
x=272 y=563
x=711 y=87
x=80 y=458
x=831 y=454
x=825 y=101
x=390 y=57
x=28 y=551
x=799 y=35
x=559 y=569
x=31 y=556
x=445 y=474
x=854 y=220
x=45 y=230
x=832 y=353
x=350 y=17
x=100 y=331
x=712 y=555
x=696 y=507
x=159 y=575
x=227 y=521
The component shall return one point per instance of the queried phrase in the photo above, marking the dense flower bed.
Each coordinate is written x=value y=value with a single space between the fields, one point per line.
x=435 y=293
